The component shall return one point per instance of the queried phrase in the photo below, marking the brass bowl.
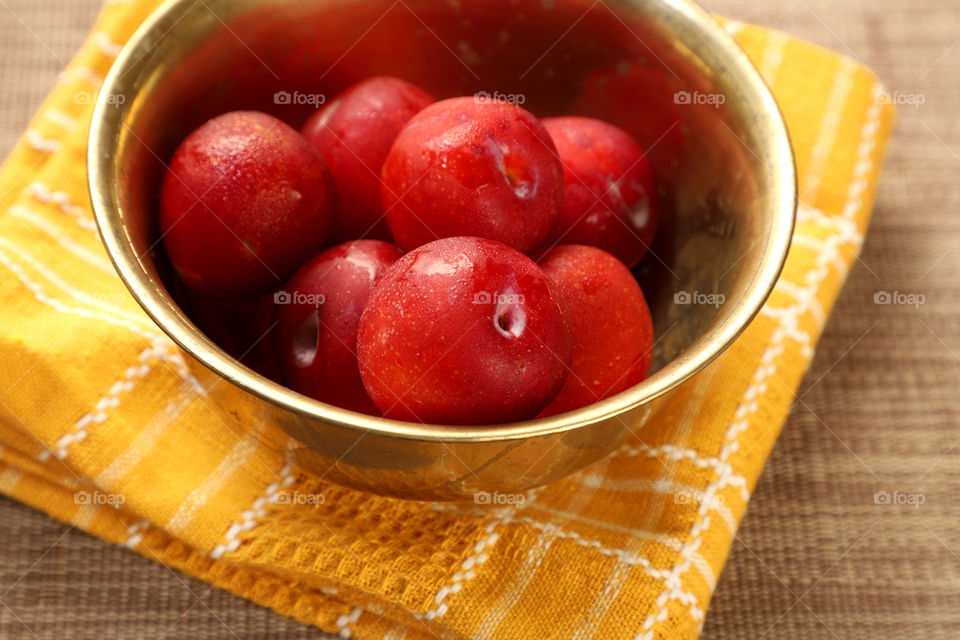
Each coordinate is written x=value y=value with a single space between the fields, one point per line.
x=662 y=69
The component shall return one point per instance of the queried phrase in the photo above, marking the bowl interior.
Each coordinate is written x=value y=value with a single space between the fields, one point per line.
x=660 y=70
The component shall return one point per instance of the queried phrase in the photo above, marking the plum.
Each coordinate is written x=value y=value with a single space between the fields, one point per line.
x=246 y=199
x=318 y=314
x=354 y=133
x=609 y=322
x=609 y=197
x=463 y=331
x=464 y=167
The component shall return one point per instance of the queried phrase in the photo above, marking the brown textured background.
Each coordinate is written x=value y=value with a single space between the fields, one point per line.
x=815 y=557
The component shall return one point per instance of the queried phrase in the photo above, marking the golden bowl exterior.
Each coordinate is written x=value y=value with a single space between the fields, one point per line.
x=709 y=123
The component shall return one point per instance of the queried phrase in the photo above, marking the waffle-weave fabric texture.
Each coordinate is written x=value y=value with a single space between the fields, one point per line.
x=100 y=404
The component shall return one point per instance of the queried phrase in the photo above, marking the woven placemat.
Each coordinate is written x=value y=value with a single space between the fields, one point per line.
x=815 y=556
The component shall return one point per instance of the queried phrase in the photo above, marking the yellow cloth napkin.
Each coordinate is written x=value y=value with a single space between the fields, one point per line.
x=103 y=425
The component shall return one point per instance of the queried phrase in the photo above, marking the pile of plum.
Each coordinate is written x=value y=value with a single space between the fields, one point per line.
x=448 y=262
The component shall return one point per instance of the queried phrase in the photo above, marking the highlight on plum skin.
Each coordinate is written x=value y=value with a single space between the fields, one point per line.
x=244 y=202
x=463 y=331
